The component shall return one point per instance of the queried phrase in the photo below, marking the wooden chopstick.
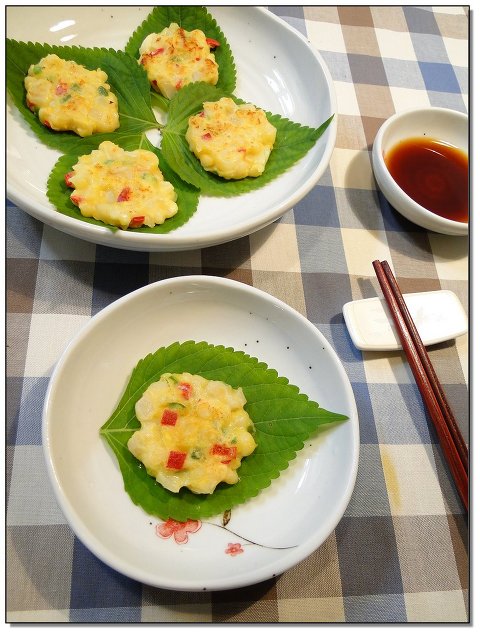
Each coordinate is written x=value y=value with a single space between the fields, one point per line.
x=450 y=438
x=427 y=364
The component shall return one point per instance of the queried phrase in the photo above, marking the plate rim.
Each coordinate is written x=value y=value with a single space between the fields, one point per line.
x=109 y=557
x=169 y=241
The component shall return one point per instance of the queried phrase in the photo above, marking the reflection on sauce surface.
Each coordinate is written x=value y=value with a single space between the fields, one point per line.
x=433 y=173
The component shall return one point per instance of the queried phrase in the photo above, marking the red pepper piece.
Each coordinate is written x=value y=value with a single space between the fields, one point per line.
x=169 y=417
x=47 y=124
x=207 y=136
x=137 y=222
x=178 y=85
x=68 y=182
x=124 y=195
x=185 y=389
x=212 y=43
x=230 y=453
x=61 y=88
x=157 y=51
x=31 y=105
x=176 y=460
x=75 y=199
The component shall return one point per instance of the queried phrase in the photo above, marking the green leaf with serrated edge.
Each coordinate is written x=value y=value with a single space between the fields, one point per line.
x=283 y=417
x=293 y=141
x=187 y=196
x=189 y=18
x=127 y=79
x=159 y=101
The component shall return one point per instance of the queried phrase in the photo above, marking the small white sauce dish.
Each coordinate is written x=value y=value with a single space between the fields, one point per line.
x=448 y=126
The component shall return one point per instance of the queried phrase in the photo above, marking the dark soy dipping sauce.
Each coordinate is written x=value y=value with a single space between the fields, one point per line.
x=433 y=173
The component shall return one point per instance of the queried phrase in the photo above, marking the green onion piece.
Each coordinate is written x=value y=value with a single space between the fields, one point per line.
x=175 y=406
x=102 y=91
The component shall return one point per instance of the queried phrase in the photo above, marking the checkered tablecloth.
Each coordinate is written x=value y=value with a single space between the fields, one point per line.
x=400 y=553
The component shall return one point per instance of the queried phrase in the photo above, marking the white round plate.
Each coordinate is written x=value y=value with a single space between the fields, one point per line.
x=266 y=535
x=277 y=69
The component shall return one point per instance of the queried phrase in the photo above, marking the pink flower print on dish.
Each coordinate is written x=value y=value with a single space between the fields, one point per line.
x=234 y=549
x=179 y=530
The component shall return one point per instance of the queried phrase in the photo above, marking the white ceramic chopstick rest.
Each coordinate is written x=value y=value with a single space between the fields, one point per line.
x=438 y=316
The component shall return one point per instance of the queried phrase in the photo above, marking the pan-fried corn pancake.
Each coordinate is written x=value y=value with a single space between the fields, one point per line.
x=120 y=188
x=175 y=57
x=233 y=141
x=194 y=432
x=67 y=96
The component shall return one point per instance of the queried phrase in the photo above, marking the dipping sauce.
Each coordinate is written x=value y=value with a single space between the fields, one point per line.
x=433 y=173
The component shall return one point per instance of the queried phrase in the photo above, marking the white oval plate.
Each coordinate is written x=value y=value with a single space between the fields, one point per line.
x=275 y=530
x=277 y=69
